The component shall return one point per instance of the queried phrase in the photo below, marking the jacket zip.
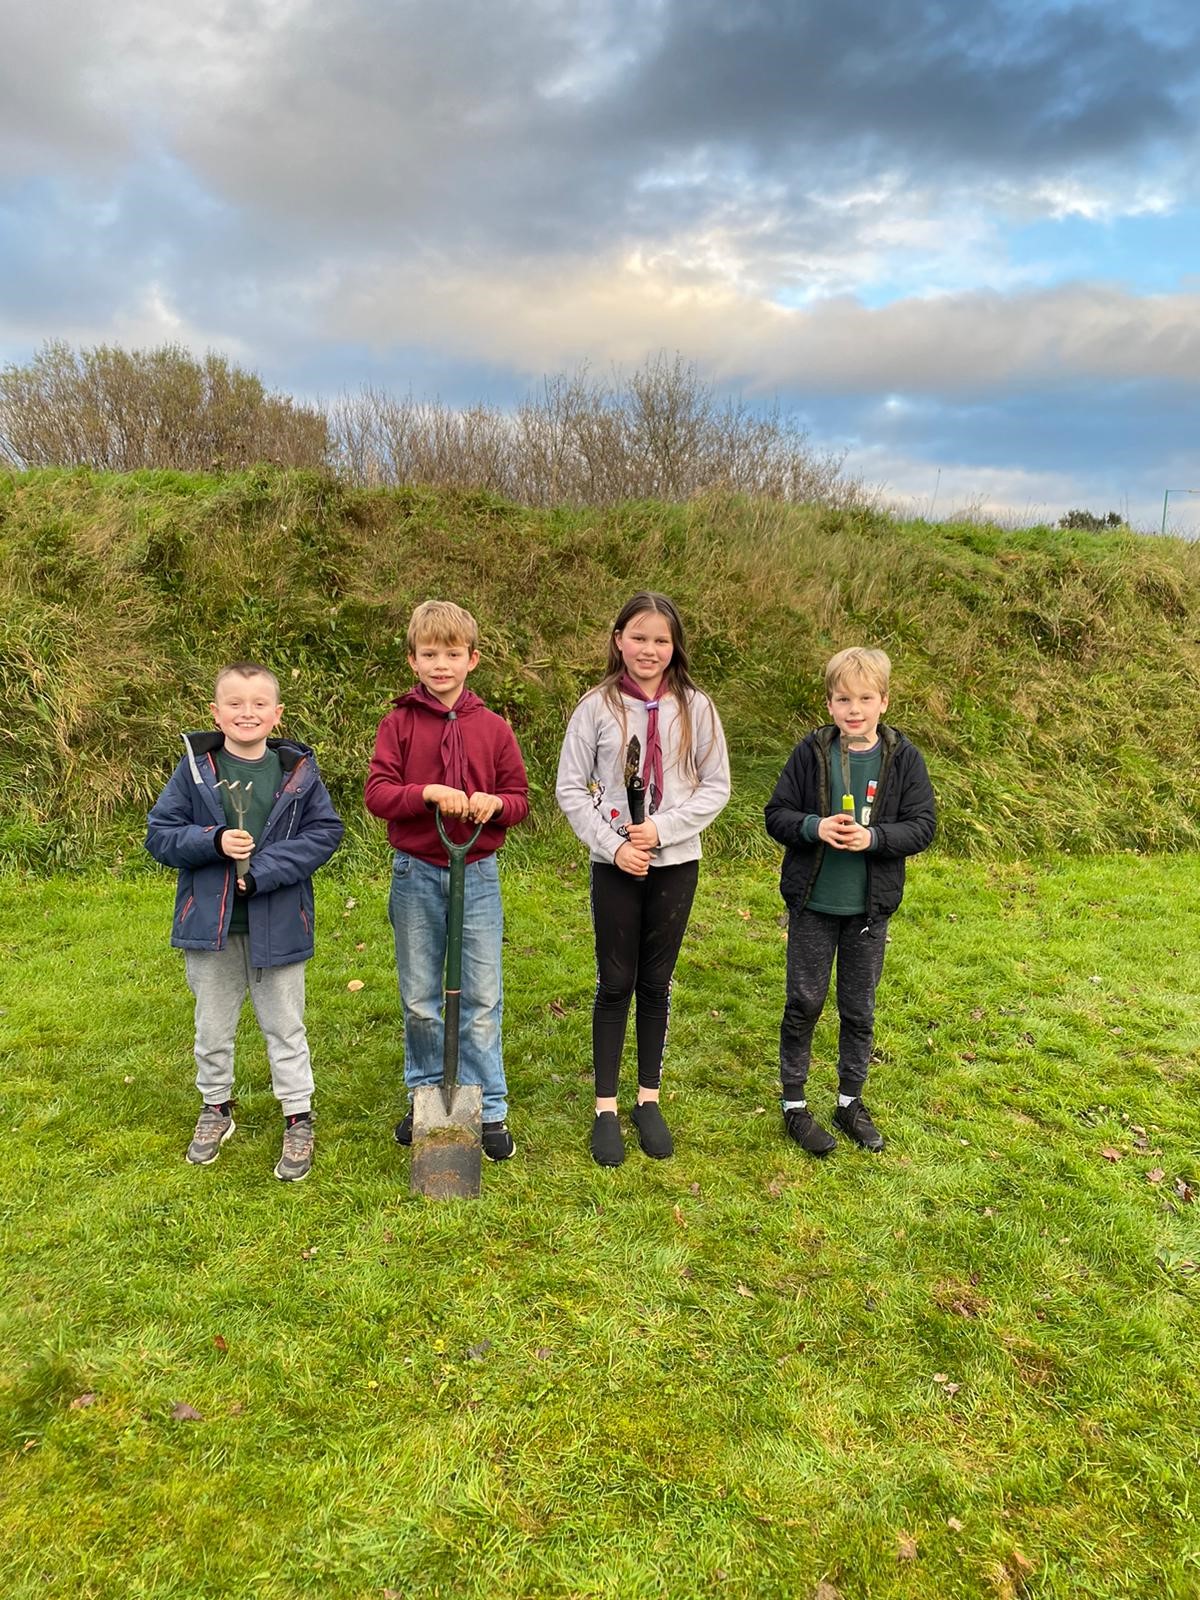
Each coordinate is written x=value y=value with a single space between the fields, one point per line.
x=885 y=768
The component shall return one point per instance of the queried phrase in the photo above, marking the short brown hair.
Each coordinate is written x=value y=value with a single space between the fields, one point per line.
x=442 y=622
x=857 y=662
x=245 y=669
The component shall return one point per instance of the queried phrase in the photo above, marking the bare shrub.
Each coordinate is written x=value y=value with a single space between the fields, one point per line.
x=661 y=433
x=121 y=410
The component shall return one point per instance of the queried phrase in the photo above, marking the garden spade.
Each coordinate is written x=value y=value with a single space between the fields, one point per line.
x=447 y=1143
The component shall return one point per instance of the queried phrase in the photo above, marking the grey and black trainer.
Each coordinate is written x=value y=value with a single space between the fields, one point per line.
x=402 y=1132
x=213 y=1126
x=800 y=1125
x=855 y=1122
x=295 y=1162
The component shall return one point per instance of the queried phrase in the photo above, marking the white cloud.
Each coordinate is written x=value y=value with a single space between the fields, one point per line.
x=536 y=318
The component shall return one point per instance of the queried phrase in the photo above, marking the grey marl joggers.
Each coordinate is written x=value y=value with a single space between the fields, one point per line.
x=219 y=980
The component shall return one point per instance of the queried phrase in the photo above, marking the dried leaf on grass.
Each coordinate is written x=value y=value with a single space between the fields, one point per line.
x=954 y=1525
x=219 y=1342
x=1155 y=1175
x=355 y=985
x=182 y=1412
x=1110 y=1154
x=826 y=1591
x=1010 y=1576
x=82 y=1401
x=557 y=1009
x=906 y=1547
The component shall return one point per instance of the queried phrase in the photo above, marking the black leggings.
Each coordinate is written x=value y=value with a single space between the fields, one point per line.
x=639 y=925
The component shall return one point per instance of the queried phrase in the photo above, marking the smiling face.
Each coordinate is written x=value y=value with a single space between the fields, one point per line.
x=646 y=645
x=443 y=667
x=856 y=707
x=246 y=710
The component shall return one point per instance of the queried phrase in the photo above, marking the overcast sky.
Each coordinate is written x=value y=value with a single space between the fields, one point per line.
x=956 y=237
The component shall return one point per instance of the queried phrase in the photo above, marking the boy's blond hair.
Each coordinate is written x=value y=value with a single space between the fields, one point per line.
x=442 y=622
x=246 y=669
x=872 y=666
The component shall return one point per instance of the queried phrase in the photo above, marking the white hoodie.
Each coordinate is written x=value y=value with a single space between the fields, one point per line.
x=591 y=776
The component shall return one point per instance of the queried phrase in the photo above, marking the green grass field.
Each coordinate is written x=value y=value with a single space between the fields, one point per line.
x=963 y=1368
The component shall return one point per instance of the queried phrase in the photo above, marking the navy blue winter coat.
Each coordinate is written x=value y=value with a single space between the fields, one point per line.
x=301 y=833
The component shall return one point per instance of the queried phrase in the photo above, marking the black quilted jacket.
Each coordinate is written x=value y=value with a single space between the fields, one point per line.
x=903 y=817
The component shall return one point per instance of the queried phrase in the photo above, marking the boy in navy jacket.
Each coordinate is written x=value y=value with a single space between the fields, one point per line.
x=246 y=820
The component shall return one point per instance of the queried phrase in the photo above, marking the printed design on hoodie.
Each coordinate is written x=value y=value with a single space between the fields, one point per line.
x=610 y=813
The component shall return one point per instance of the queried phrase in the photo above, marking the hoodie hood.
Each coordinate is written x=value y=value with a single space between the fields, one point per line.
x=420 y=699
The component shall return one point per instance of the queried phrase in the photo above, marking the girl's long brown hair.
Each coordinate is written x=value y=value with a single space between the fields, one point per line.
x=676 y=680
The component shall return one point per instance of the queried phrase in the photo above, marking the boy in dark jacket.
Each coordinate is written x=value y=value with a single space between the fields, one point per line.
x=247 y=821
x=852 y=803
x=440 y=748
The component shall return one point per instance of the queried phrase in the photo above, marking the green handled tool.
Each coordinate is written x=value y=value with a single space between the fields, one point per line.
x=447 y=1146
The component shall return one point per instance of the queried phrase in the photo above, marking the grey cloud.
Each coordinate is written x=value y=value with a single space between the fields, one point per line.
x=531 y=125
x=989 y=84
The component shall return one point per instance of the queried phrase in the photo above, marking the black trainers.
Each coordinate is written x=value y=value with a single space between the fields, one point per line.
x=855 y=1122
x=800 y=1124
x=402 y=1133
x=653 y=1134
x=497 y=1141
x=608 y=1145
x=213 y=1126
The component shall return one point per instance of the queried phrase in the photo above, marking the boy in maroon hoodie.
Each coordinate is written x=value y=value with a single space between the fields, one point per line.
x=441 y=748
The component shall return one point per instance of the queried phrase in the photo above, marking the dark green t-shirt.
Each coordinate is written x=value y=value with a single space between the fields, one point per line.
x=841 y=886
x=259 y=782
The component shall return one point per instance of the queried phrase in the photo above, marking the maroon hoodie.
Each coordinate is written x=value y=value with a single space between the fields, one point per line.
x=408 y=755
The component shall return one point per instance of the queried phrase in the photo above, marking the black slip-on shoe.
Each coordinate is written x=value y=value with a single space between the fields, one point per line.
x=653 y=1134
x=608 y=1144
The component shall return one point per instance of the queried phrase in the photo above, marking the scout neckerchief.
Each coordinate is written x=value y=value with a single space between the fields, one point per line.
x=652 y=771
x=453 y=750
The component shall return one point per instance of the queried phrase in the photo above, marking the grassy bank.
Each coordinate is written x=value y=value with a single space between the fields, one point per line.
x=964 y=1368
x=1050 y=676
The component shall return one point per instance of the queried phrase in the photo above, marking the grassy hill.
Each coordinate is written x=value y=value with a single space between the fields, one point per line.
x=1050 y=677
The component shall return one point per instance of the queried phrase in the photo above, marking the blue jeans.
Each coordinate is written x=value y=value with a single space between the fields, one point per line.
x=417 y=909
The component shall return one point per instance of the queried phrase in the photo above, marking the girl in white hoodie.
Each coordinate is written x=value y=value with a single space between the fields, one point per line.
x=644 y=740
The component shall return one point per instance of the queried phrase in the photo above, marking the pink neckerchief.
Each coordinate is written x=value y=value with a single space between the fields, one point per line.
x=652 y=768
